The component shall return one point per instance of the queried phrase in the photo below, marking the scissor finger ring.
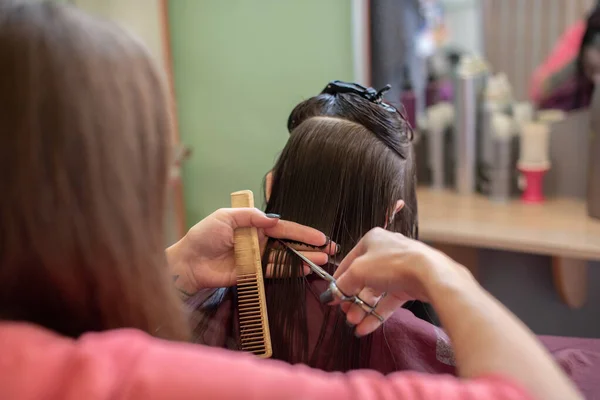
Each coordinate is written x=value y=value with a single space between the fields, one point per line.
x=370 y=310
x=335 y=290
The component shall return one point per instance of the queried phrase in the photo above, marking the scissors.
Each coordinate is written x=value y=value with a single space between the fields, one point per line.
x=333 y=287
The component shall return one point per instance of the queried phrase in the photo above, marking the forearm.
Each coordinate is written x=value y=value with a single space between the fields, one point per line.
x=488 y=339
x=207 y=371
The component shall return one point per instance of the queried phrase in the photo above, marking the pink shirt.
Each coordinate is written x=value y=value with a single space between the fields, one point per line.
x=564 y=51
x=127 y=364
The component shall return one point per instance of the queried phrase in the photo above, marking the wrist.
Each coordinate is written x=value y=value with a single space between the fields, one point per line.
x=180 y=268
x=447 y=279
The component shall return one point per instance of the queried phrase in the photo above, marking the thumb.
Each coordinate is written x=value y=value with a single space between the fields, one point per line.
x=248 y=217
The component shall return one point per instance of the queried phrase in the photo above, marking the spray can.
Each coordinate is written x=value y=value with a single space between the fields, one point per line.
x=439 y=118
x=469 y=82
x=408 y=99
x=503 y=157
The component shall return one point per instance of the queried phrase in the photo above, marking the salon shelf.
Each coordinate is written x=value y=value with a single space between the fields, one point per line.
x=559 y=228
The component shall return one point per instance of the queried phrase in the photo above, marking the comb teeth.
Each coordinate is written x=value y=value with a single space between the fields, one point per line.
x=251 y=303
x=250 y=315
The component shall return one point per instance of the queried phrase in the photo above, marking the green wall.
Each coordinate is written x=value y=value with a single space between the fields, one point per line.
x=240 y=66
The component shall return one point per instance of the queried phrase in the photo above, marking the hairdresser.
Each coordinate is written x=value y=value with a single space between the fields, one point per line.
x=567 y=77
x=87 y=305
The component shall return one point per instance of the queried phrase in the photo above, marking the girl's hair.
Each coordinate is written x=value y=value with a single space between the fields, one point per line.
x=346 y=164
x=84 y=155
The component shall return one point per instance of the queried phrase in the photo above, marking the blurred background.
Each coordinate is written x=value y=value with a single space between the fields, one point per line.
x=498 y=91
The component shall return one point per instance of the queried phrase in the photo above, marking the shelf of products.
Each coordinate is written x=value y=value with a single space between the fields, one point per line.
x=559 y=228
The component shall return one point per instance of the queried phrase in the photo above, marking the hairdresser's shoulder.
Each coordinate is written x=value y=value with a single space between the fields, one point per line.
x=37 y=363
x=127 y=364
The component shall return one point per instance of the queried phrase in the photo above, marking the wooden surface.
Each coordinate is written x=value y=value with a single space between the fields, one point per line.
x=177 y=208
x=570 y=279
x=558 y=227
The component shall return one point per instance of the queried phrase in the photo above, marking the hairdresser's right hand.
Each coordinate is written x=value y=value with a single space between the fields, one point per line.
x=487 y=339
x=402 y=268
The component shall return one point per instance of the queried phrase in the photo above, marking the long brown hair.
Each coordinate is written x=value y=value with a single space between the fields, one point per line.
x=84 y=154
x=346 y=164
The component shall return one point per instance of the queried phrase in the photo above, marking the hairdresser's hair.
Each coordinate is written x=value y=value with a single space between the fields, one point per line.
x=346 y=164
x=591 y=37
x=84 y=155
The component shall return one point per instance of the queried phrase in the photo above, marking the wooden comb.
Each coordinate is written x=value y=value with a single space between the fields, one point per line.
x=255 y=336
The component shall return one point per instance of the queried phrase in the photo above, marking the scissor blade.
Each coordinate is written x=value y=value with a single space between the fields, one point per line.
x=314 y=267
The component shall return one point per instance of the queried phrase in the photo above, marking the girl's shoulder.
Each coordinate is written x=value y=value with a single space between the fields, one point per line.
x=410 y=343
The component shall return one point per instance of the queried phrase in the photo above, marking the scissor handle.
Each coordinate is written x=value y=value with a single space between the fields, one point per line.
x=335 y=290
x=368 y=309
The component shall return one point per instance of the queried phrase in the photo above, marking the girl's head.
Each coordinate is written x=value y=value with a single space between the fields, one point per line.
x=84 y=153
x=347 y=167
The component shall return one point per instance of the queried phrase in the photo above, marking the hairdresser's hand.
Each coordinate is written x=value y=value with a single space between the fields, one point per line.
x=500 y=344
x=204 y=257
x=404 y=269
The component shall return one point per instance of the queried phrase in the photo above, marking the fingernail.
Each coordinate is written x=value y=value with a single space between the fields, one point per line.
x=326 y=297
x=350 y=324
x=272 y=215
x=327 y=241
x=337 y=248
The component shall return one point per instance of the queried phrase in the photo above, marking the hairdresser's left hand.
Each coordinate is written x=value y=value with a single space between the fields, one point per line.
x=204 y=257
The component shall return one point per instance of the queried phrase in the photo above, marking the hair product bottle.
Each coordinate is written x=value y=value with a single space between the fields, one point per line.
x=408 y=99
x=469 y=82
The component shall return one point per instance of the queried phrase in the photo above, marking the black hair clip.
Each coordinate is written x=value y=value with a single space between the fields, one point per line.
x=374 y=96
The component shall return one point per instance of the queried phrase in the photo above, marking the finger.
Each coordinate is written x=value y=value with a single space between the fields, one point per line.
x=356 y=252
x=275 y=227
x=296 y=232
x=345 y=306
x=315 y=257
x=355 y=314
x=385 y=309
x=270 y=272
x=353 y=279
x=247 y=217
x=373 y=236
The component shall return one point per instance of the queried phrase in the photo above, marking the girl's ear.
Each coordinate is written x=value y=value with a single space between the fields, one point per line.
x=399 y=206
x=269 y=184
